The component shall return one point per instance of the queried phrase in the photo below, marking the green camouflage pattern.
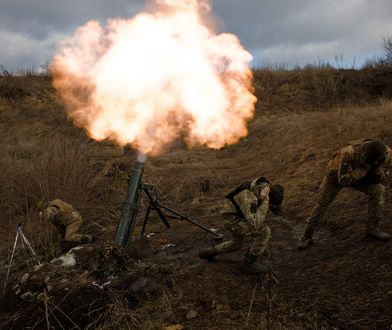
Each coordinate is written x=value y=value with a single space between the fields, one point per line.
x=67 y=220
x=252 y=224
x=347 y=169
x=347 y=165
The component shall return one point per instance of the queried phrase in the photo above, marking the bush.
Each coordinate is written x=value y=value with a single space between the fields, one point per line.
x=387 y=44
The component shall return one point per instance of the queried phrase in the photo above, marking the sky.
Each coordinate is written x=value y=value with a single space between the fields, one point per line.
x=284 y=33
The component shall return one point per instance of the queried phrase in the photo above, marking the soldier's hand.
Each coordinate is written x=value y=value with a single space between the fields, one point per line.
x=264 y=194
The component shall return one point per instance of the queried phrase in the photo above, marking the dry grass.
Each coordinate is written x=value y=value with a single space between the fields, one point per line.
x=298 y=146
x=290 y=148
x=44 y=156
x=151 y=315
x=320 y=88
x=41 y=171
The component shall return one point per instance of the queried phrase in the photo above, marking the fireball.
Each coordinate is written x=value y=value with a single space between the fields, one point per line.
x=157 y=77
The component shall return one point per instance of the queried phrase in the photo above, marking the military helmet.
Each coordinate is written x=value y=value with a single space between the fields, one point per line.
x=374 y=151
x=276 y=194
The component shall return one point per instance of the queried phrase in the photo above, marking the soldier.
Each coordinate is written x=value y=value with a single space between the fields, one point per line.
x=66 y=219
x=362 y=165
x=249 y=204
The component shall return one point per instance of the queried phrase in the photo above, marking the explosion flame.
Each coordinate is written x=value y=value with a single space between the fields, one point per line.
x=160 y=76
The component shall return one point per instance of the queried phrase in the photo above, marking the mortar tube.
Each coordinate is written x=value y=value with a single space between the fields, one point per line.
x=130 y=208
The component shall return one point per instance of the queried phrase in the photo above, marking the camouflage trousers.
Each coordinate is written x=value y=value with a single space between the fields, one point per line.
x=70 y=232
x=328 y=192
x=240 y=229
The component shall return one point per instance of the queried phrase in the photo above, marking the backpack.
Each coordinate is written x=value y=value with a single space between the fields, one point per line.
x=245 y=185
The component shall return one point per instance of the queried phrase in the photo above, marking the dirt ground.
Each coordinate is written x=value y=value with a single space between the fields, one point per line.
x=343 y=282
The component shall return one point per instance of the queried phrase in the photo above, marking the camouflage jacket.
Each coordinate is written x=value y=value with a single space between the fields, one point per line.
x=253 y=209
x=347 y=165
x=60 y=213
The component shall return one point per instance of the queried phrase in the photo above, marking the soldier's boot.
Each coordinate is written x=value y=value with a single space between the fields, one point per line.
x=306 y=240
x=377 y=234
x=253 y=265
x=373 y=231
x=209 y=253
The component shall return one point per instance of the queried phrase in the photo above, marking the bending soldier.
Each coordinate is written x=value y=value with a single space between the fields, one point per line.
x=249 y=204
x=362 y=165
x=66 y=219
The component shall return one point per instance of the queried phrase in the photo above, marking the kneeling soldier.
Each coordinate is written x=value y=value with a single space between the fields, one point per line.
x=66 y=219
x=362 y=165
x=249 y=205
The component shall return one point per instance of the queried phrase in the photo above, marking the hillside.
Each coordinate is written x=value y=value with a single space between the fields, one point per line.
x=343 y=282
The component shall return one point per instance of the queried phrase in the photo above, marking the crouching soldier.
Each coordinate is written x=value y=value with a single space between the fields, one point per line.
x=248 y=208
x=66 y=219
x=362 y=165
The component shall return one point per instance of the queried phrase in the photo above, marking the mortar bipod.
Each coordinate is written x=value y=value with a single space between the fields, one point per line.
x=154 y=204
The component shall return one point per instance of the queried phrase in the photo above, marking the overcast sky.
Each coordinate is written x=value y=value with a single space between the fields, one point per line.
x=283 y=32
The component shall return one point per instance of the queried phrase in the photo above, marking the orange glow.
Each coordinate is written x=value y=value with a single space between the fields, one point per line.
x=157 y=77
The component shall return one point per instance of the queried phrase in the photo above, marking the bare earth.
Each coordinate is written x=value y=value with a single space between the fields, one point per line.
x=343 y=282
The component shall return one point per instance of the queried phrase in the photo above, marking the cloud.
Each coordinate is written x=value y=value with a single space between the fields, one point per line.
x=31 y=30
x=39 y=18
x=20 y=51
x=300 y=31
x=306 y=31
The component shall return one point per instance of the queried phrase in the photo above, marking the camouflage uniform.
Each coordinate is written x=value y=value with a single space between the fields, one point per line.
x=348 y=169
x=66 y=219
x=251 y=224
